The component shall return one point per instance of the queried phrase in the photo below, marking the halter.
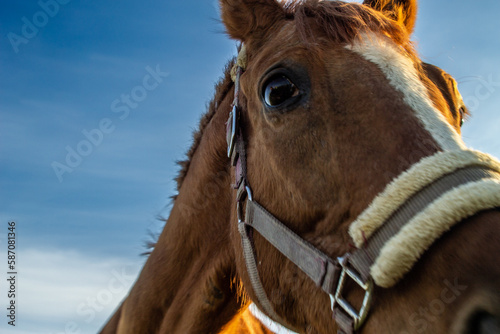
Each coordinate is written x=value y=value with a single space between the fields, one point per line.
x=373 y=260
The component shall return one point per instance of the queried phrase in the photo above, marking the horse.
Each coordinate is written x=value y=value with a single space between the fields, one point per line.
x=245 y=321
x=329 y=185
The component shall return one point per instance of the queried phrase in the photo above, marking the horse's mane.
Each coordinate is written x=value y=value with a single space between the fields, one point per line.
x=222 y=87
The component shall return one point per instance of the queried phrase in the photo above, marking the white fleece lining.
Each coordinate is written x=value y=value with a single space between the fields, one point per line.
x=268 y=322
x=401 y=252
x=408 y=183
x=402 y=75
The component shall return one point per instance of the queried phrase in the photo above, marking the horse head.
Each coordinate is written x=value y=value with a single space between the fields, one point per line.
x=329 y=185
x=336 y=106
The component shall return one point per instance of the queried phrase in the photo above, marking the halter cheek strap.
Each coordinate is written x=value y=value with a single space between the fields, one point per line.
x=237 y=153
x=472 y=176
x=327 y=273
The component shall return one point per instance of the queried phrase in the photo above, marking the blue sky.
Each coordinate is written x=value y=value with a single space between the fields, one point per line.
x=77 y=75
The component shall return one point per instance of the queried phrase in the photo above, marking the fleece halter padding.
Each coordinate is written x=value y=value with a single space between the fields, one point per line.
x=403 y=250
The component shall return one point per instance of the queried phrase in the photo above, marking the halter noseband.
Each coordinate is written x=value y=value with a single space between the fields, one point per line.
x=329 y=274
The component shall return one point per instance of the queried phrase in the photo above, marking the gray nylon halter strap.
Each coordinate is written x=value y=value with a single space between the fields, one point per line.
x=363 y=259
x=327 y=273
x=237 y=154
x=253 y=273
x=322 y=270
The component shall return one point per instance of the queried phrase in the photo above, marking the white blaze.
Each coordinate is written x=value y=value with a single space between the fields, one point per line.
x=402 y=75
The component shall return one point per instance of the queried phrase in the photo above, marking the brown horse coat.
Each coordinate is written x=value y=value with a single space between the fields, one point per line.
x=316 y=165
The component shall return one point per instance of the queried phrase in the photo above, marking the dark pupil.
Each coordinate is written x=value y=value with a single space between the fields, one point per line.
x=278 y=90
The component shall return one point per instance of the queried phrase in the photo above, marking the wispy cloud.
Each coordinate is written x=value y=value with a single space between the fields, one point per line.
x=62 y=288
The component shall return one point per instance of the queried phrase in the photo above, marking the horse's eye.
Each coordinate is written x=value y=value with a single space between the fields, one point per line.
x=279 y=90
x=462 y=116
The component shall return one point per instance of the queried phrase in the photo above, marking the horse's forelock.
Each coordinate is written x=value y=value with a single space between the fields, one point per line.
x=343 y=22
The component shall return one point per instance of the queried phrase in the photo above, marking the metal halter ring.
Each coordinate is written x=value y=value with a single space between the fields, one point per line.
x=233 y=119
x=243 y=192
x=358 y=316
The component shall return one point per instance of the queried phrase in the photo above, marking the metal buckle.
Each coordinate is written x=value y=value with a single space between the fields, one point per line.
x=244 y=191
x=359 y=317
x=233 y=118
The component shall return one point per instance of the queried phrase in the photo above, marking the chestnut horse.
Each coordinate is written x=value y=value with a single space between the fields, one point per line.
x=335 y=129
